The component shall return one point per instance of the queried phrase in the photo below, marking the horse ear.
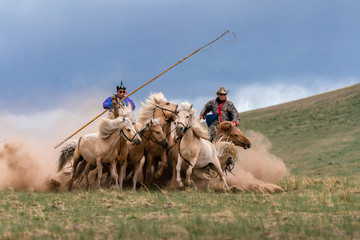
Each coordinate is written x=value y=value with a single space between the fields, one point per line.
x=191 y=106
x=123 y=119
x=151 y=121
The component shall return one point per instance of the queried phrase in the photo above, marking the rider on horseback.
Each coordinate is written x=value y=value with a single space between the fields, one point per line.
x=222 y=110
x=121 y=92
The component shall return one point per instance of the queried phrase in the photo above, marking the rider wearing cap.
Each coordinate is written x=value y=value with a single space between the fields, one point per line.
x=222 y=110
x=121 y=92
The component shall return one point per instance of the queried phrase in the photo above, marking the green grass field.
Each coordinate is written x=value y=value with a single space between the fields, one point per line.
x=319 y=140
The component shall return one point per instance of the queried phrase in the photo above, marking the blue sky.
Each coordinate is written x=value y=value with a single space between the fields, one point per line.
x=61 y=54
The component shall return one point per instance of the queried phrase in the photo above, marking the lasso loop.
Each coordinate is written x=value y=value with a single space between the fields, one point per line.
x=208 y=47
x=234 y=37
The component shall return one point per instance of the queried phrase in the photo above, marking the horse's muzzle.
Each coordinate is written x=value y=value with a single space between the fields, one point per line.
x=179 y=130
x=137 y=141
x=164 y=143
x=246 y=145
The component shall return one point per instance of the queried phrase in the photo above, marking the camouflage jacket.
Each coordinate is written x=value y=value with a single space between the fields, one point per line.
x=226 y=110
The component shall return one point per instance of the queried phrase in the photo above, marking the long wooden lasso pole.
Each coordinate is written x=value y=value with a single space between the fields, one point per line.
x=227 y=31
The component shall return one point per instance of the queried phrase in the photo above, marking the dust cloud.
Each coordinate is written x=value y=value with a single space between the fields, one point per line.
x=257 y=169
x=28 y=159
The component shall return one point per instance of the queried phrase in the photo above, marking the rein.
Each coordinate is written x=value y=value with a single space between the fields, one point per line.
x=181 y=137
x=130 y=140
x=150 y=139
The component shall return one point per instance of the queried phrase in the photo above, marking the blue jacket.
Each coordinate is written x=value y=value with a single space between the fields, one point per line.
x=108 y=103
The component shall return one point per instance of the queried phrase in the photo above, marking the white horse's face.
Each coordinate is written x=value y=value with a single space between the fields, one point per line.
x=130 y=133
x=183 y=122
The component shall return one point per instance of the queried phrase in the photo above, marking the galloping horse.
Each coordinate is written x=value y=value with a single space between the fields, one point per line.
x=151 y=134
x=227 y=136
x=67 y=152
x=157 y=107
x=103 y=148
x=194 y=148
x=227 y=131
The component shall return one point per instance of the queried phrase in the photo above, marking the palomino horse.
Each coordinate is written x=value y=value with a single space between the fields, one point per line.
x=157 y=107
x=194 y=148
x=67 y=152
x=151 y=135
x=104 y=148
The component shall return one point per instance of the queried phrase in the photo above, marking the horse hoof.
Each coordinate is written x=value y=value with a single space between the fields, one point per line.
x=188 y=183
x=181 y=186
x=157 y=176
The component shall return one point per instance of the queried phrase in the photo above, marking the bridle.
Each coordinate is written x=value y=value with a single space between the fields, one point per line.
x=180 y=138
x=152 y=136
x=165 y=109
x=228 y=136
x=130 y=140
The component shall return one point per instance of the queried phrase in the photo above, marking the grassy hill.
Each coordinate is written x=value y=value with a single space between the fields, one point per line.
x=319 y=140
x=319 y=135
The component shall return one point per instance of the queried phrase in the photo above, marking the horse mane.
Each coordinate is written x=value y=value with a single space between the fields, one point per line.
x=123 y=111
x=223 y=149
x=197 y=129
x=148 y=108
x=108 y=126
x=220 y=130
x=155 y=121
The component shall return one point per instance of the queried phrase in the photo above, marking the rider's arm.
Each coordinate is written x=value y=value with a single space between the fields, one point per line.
x=107 y=104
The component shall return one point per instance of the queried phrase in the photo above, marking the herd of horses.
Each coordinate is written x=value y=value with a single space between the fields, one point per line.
x=167 y=147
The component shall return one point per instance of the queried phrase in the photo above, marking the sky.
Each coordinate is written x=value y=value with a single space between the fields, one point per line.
x=66 y=57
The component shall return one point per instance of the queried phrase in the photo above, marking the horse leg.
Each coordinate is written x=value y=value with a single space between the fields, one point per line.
x=114 y=173
x=137 y=168
x=149 y=159
x=77 y=159
x=122 y=173
x=87 y=169
x=99 y=168
x=173 y=177
x=217 y=167
x=163 y=165
x=188 y=174
x=178 y=169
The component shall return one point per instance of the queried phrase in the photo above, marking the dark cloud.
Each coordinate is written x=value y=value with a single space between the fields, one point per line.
x=50 y=49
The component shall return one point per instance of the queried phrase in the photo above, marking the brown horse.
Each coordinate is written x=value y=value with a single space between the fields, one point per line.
x=228 y=136
x=151 y=135
x=227 y=131
x=157 y=107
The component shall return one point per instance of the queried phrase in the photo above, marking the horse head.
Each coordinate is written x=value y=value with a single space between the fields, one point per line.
x=129 y=132
x=185 y=118
x=168 y=109
x=154 y=132
x=232 y=133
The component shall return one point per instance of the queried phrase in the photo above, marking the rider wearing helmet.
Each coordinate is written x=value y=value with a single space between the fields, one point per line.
x=121 y=93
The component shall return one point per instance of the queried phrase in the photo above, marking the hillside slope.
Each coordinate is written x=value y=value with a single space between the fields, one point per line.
x=319 y=135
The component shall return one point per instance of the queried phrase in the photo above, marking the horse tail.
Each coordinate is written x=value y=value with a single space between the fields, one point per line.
x=66 y=154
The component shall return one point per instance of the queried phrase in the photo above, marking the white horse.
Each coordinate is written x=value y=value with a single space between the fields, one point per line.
x=104 y=147
x=194 y=148
x=67 y=153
